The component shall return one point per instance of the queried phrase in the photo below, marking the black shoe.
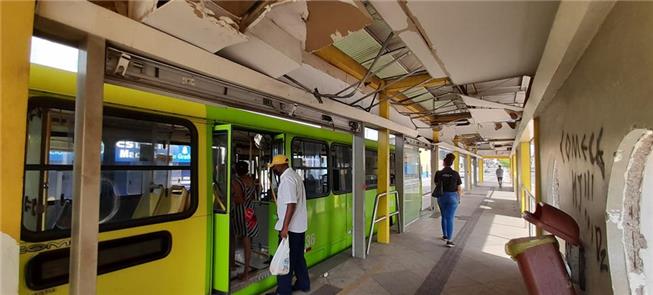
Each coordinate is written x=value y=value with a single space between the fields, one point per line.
x=450 y=244
x=295 y=288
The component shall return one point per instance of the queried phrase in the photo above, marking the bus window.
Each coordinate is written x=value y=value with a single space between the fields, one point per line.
x=220 y=170
x=309 y=159
x=370 y=169
x=341 y=165
x=146 y=170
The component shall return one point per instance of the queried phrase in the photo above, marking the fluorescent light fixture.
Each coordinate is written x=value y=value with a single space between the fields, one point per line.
x=55 y=55
x=285 y=119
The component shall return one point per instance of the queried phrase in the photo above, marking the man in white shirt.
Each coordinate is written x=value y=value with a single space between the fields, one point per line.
x=292 y=224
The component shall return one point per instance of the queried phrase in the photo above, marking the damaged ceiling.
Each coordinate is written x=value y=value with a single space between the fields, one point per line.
x=463 y=68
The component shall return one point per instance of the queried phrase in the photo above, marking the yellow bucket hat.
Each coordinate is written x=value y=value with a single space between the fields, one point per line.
x=278 y=160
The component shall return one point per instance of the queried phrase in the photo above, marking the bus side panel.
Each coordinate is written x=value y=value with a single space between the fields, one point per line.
x=183 y=270
x=180 y=272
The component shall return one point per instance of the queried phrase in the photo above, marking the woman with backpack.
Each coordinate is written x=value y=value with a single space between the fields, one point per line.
x=448 y=190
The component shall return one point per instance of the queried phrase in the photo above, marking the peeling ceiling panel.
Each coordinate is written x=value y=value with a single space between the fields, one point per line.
x=472 y=101
x=290 y=17
x=323 y=29
x=489 y=115
x=238 y=8
x=425 y=55
x=489 y=131
x=480 y=41
x=207 y=26
x=270 y=50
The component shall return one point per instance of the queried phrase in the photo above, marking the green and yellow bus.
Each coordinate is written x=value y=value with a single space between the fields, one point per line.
x=166 y=165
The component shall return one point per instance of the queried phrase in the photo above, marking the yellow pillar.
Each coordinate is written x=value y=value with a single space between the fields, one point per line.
x=481 y=169
x=513 y=171
x=16 y=21
x=383 y=172
x=525 y=171
x=456 y=162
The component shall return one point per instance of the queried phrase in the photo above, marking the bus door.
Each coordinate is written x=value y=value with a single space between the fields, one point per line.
x=230 y=147
x=221 y=155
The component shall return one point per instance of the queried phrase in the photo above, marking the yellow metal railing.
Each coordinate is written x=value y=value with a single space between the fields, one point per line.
x=376 y=220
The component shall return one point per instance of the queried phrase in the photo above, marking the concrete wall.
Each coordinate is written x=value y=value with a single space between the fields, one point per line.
x=608 y=94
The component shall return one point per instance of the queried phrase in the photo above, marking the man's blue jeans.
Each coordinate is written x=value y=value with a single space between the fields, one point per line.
x=297 y=266
x=448 y=204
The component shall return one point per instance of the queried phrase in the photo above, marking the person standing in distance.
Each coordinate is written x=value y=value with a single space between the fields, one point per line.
x=448 y=202
x=499 y=176
x=292 y=224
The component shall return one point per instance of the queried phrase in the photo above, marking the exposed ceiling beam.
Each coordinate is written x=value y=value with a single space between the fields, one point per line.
x=500 y=140
x=442 y=119
x=344 y=62
x=417 y=79
x=341 y=60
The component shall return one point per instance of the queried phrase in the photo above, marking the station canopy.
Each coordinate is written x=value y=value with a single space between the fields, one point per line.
x=462 y=68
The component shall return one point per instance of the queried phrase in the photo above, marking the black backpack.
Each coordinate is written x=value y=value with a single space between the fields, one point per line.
x=439 y=188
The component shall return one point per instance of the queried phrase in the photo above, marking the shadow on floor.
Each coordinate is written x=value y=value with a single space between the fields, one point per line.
x=416 y=261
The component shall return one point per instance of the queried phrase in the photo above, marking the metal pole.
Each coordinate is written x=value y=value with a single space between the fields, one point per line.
x=358 y=191
x=435 y=165
x=399 y=178
x=86 y=169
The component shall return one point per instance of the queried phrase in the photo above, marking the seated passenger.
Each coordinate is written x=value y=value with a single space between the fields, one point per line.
x=243 y=220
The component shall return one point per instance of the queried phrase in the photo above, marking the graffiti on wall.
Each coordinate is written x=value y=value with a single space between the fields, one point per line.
x=585 y=149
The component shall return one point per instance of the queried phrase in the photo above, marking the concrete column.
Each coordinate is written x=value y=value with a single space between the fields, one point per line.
x=358 y=187
x=86 y=169
x=16 y=20
x=383 y=172
x=399 y=178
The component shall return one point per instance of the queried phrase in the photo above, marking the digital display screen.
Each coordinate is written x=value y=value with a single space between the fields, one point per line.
x=136 y=152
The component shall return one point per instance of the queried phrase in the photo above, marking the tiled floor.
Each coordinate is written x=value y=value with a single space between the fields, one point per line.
x=416 y=261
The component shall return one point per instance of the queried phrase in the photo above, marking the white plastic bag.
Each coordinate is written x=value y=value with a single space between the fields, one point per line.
x=280 y=264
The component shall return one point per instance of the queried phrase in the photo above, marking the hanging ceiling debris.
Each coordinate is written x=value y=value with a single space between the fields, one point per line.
x=463 y=68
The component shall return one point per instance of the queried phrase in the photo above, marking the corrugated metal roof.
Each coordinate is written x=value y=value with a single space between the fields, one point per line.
x=361 y=46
